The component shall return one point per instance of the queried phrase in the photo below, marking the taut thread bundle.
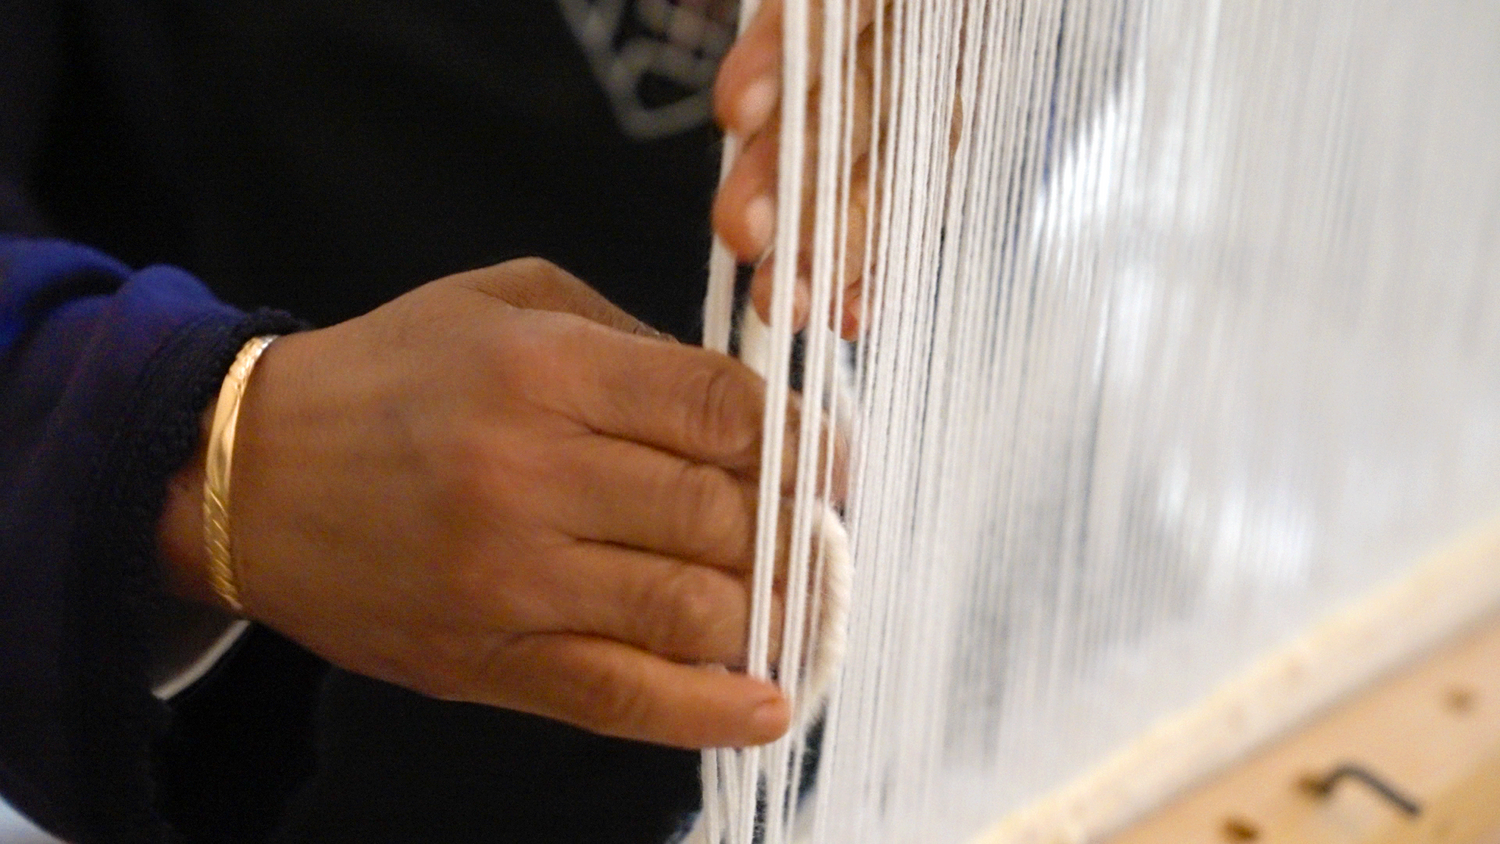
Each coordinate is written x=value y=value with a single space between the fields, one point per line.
x=1177 y=409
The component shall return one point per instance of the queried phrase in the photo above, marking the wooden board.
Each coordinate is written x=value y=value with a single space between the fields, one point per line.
x=1397 y=623
x=1432 y=732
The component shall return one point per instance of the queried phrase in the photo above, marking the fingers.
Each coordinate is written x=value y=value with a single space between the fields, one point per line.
x=761 y=283
x=851 y=280
x=617 y=690
x=748 y=87
x=684 y=612
x=654 y=502
x=746 y=206
x=640 y=497
x=749 y=82
x=744 y=210
x=688 y=401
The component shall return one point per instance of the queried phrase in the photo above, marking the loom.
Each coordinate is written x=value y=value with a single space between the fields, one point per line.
x=1177 y=413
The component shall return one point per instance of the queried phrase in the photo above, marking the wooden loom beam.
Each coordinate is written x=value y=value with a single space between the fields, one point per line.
x=1431 y=731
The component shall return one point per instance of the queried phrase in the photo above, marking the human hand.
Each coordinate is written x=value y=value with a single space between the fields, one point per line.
x=498 y=489
x=746 y=99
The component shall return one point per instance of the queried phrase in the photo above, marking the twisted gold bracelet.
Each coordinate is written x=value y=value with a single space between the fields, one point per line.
x=221 y=567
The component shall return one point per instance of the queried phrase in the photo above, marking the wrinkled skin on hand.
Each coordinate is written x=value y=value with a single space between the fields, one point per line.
x=499 y=488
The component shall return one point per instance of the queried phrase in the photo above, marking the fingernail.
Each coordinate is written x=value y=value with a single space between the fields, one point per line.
x=760 y=221
x=769 y=719
x=756 y=104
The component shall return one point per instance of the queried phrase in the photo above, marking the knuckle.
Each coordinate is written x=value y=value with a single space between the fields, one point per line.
x=726 y=418
x=539 y=370
x=692 y=617
x=712 y=524
x=537 y=283
x=520 y=282
x=611 y=704
x=531 y=266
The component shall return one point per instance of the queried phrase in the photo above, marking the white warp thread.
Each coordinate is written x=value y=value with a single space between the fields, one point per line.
x=821 y=611
x=1182 y=325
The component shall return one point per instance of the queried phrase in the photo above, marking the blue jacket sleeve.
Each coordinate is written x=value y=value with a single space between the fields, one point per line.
x=104 y=373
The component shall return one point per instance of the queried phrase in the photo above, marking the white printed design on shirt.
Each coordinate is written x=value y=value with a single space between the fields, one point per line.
x=655 y=59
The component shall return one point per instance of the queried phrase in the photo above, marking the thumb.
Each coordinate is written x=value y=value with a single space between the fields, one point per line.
x=539 y=285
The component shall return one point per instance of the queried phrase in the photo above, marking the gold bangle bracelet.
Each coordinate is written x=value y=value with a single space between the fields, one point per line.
x=221 y=567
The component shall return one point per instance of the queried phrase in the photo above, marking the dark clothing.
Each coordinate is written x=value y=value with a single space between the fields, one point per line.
x=316 y=158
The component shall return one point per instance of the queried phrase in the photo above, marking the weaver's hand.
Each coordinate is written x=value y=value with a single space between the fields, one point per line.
x=500 y=488
x=746 y=99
